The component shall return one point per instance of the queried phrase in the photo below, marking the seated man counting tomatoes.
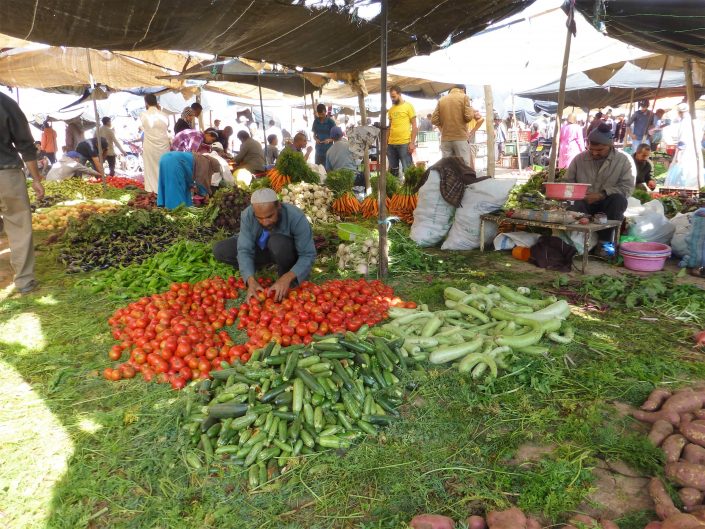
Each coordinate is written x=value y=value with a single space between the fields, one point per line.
x=270 y=233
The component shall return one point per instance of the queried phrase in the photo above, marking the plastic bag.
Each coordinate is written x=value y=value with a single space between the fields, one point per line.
x=651 y=224
x=479 y=198
x=695 y=240
x=507 y=241
x=682 y=225
x=432 y=216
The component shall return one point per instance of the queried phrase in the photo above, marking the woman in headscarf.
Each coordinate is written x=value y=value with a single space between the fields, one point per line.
x=181 y=174
x=572 y=142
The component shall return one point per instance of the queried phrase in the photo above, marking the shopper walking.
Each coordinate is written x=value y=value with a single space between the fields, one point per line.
x=49 y=145
x=571 y=143
x=155 y=125
x=401 y=136
x=107 y=132
x=452 y=115
x=15 y=140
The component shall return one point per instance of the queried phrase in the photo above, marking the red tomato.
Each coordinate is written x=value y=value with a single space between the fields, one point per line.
x=312 y=327
x=301 y=330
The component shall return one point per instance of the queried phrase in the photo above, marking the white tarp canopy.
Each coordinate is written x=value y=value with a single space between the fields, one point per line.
x=521 y=52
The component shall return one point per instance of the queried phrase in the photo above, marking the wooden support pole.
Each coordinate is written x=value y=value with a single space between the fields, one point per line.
x=99 y=145
x=516 y=126
x=361 y=94
x=690 y=92
x=382 y=180
x=559 y=110
x=489 y=120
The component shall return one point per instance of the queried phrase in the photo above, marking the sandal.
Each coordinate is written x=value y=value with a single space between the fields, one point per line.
x=697 y=272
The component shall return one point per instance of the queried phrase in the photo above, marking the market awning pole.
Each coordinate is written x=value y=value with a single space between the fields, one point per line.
x=561 y=104
x=653 y=106
x=382 y=181
x=99 y=144
x=361 y=94
x=261 y=108
x=516 y=126
x=489 y=126
x=690 y=93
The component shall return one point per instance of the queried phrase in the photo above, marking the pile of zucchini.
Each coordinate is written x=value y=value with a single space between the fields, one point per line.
x=483 y=330
x=293 y=401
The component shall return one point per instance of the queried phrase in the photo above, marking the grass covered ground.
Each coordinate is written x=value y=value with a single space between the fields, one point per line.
x=77 y=451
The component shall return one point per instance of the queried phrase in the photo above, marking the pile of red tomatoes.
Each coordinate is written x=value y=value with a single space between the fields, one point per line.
x=178 y=335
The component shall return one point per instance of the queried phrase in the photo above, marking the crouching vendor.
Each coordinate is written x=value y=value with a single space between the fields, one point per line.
x=610 y=173
x=270 y=233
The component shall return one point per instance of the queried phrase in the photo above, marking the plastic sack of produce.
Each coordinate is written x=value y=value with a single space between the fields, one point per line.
x=479 y=198
x=507 y=241
x=682 y=225
x=432 y=216
x=650 y=224
x=695 y=252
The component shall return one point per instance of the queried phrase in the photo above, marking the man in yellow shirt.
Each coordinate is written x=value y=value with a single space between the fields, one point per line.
x=401 y=135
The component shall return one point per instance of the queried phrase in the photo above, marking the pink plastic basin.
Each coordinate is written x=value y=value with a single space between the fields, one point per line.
x=644 y=256
x=566 y=191
x=645 y=248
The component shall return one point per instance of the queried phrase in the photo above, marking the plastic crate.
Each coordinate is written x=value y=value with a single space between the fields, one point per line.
x=682 y=191
x=427 y=137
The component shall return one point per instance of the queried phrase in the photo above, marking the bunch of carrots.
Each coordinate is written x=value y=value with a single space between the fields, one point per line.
x=370 y=206
x=277 y=179
x=403 y=204
x=346 y=205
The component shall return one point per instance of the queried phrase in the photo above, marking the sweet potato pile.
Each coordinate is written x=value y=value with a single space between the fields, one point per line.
x=678 y=427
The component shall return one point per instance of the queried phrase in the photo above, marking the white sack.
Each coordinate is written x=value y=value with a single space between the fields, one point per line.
x=432 y=216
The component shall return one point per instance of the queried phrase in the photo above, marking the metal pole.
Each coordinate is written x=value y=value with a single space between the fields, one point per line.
x=561 y=104
x=382 y=181
x=516 y=125
x=261 y=107
x=489 y=121
x=690 y=92
x=99 y=145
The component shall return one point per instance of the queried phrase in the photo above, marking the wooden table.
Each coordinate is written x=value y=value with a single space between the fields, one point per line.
x=585 y=229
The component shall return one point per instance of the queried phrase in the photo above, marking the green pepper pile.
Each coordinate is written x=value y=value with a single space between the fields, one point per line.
x=183 y=261
x=292 y=401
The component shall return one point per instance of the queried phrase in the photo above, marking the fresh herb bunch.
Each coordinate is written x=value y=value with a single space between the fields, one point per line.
x=412 y=176
x=294 y=165
x=641 y=195
x=392 y=185
x=340 y=181
x=260 y=183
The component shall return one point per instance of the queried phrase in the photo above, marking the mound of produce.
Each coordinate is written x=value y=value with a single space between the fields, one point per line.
x=370 y=206
x=313 y=199
x=292 y=166
x=167 y=332
x=143 y=201
x=483 y=330
x=70 y=189
x=225 y=208
x=294 y=401
x=183 y=261
x=58 y=217
x=360 y=257
x=404 y=202
x=125 y=236
x=118 y=182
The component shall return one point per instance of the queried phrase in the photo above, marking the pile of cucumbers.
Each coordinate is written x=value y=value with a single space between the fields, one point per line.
x=482 y=330
x=292 y=401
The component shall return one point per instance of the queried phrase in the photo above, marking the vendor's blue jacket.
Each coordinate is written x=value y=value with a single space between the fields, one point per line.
x=292 y=223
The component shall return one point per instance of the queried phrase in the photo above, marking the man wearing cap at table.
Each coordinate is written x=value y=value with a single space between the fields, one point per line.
x=270 y=233
x=610 y=173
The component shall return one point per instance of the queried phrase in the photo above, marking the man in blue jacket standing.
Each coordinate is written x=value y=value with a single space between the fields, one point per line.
x=270 y=233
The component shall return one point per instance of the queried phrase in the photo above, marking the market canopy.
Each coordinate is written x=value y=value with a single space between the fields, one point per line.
x=58 y=67
x=580 y=91
x=234 y=70
x=672 y=27
x=411 y=86
x=321 y=37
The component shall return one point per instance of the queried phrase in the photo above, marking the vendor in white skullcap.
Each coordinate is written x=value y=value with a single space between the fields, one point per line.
x=270 y=233
x=610 y=173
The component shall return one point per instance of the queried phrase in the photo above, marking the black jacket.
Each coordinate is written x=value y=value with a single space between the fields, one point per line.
x=15 y=136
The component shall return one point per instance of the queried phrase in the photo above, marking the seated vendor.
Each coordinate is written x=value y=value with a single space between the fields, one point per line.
x=610 y=173
x=299 y=145
x=270 y=233
x=250 y=159
x=644 y=168
x=339 y=156
x=181 y=174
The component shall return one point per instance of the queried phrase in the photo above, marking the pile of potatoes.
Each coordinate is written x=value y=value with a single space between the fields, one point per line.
x=678 y=427
x=57 y=217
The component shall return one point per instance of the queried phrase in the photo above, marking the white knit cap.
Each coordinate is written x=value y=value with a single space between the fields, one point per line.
x=263 y=196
